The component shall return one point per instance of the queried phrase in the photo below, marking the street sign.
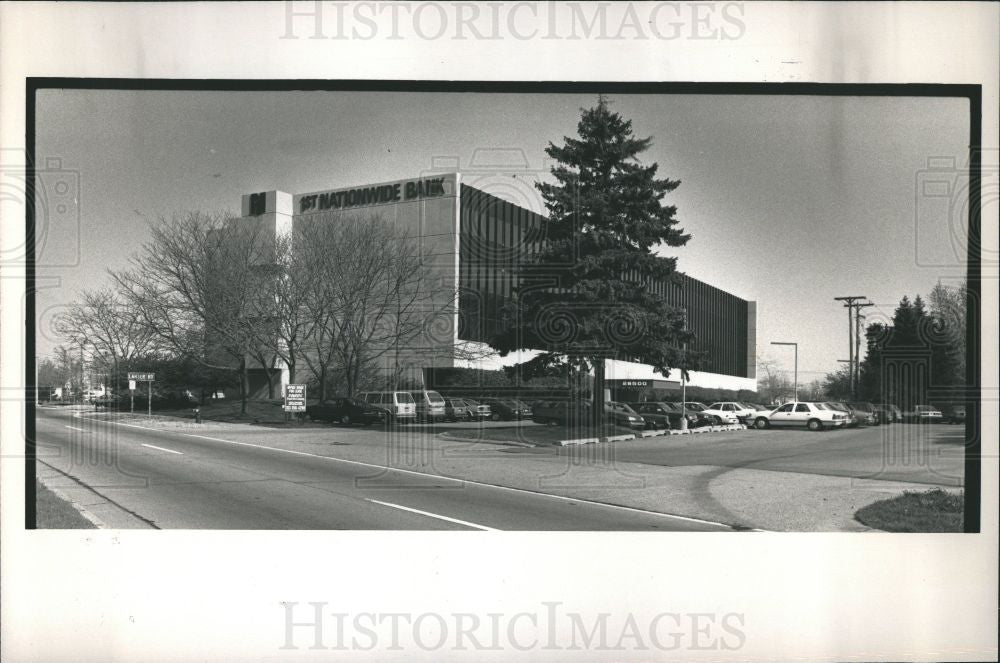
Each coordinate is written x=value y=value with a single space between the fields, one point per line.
x=148 y=378
x=295 y=398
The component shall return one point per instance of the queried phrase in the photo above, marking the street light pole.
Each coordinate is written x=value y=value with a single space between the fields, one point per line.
x=684 y=420
x=796 y=345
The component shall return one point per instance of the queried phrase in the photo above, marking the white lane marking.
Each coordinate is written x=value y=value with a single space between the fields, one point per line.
x=169 y=451
x=75 y=428
x=432 y=476
x=434 y=515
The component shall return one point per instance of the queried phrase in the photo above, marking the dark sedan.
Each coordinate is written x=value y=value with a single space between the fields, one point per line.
x=956 y=415
x=701 y=418
x=659 y=415
x=577 y=413
x=623 y=415
x=506 y=408
x=865 y=413
x=885 y=414
x=346 y=411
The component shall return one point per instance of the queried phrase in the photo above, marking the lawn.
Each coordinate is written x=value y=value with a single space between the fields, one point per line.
x=53 y=512
x=929 y=511
x=263 y=411
x=536 y=435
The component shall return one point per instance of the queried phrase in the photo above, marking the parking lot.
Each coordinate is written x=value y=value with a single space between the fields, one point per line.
x=900 y=452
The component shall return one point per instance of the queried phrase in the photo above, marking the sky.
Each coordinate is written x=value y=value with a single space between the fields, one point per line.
x=790 y=200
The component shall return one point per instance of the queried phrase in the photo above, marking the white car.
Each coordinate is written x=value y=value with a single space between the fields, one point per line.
x=724 y=416
x=742 y=411
x=814 y=416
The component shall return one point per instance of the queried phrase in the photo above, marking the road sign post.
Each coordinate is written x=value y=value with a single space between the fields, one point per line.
x=148 y=379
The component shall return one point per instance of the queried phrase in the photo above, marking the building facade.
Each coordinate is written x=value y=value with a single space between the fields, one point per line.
x=473 y=242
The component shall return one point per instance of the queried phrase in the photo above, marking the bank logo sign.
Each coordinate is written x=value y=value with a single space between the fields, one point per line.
x=376 y=194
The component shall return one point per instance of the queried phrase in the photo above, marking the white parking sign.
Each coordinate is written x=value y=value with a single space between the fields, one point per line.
x=295 y=398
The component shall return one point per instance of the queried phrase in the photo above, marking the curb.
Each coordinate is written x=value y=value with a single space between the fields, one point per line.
x=653 y=433
x=503 y=443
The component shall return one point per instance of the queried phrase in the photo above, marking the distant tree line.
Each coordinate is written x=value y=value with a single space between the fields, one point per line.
x=917 y=357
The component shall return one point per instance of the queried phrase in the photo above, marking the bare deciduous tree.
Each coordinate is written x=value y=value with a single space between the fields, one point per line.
x=371 y=295
x=196 y=282
x=108 y=327
x=772 y=382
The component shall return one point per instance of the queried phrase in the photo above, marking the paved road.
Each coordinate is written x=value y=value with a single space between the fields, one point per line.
x=173 y=479
x=927 y=454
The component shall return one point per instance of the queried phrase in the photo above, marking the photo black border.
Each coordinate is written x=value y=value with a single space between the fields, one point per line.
x=972 y=92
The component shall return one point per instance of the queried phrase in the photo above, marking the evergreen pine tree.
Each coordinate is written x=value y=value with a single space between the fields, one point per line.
x=585 y=296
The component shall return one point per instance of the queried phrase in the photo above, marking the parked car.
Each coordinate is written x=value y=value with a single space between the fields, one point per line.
x=478 y=410
x=885 y=413
x=924 y=414
x=705 y=418
x=696 y=417
x=623 y=415
x=741 y=412
x=956 y=414
x=852 y=419
x=561 y=413
x=399 y=404
x=814 y=416
x=430 y=405
x=347 y=411
x=577 y=413
x=507 y=409
x=865 y=413
x=456 y=409
x=838 y=406
x=894 y=413
x=659 y=415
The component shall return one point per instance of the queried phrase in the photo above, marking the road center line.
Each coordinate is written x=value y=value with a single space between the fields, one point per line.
x=430 y=476
x=434 y=515
x=75 y=428
x=169 y=451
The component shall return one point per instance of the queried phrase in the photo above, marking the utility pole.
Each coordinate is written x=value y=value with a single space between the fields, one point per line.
x=852 y=344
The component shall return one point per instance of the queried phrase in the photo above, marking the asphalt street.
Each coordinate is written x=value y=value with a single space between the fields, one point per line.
x=181 y=480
